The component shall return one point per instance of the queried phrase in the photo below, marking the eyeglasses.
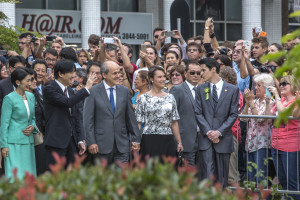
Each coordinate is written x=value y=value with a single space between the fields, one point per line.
x=176 y=74
x=50 y=60
x=236 y=51
x=190 y=50
x=22 y=42
x=193 y=73
x=283 y=84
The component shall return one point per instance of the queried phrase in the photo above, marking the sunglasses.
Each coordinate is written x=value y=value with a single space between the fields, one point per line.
x=193 y=73
x=176 y=74
x=283 y=84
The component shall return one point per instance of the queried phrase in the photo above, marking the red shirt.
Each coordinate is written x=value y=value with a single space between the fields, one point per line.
x=285 y=139
x=235 y=126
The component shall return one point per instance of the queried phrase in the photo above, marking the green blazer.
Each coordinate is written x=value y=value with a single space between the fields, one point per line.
x=14 y=119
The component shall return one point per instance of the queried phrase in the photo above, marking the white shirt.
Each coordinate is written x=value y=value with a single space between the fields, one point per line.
x=108 y=91
x=62 y=87
x=27 y=107
x=219 y=86
x=192 y=89
x=40 y=89
x=194 y=95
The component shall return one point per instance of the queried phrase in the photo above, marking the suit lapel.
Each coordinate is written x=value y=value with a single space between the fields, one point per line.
x=119 y=98
x=189 y=93
x=58 y=87
x=104 y=96
x=210 y=100
x=223 y=94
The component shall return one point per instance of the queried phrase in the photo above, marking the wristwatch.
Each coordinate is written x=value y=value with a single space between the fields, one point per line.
x=206 y=27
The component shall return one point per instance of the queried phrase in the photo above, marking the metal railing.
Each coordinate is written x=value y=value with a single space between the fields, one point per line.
x=256 y=180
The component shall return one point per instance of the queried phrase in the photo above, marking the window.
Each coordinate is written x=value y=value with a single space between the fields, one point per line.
x=227 y=16
x=36 y=4
x=294 y=23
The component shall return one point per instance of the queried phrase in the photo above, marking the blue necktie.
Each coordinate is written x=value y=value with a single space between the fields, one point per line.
x=111 y=99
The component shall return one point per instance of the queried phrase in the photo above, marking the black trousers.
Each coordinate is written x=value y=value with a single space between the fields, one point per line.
x=68 y=153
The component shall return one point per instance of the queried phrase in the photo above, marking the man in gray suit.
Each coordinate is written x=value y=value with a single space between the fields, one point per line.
x=216 y=111
x=185 y=98
x=108 y=118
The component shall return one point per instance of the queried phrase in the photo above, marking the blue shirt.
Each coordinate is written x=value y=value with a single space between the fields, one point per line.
x=241 y=83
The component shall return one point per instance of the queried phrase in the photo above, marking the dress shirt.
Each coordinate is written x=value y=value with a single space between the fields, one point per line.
x=108 y=91
x=39 y=89
x=192 y=88
x=62 y=87
x=219 y=86
x=241 y=83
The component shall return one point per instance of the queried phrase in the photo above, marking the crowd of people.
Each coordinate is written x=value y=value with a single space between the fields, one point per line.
x=177 y=98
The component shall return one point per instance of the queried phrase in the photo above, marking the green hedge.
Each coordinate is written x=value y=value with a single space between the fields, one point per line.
x=152 y=180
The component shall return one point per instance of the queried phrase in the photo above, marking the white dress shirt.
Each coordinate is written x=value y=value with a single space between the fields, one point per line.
x=108 y=91
x=62 y=87
x=219 y=86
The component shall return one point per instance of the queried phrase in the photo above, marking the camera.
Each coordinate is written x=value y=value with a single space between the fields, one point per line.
x=50 y=38
x=75 y=84
x=33 y=39
x=224 y=51
x=267 y=68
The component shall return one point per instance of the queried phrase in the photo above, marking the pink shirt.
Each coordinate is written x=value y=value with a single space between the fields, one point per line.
x=286 y=137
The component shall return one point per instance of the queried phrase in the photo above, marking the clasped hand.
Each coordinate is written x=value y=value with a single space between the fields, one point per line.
x=213 y=136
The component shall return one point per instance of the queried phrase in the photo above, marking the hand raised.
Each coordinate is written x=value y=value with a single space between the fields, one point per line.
x=90 y=81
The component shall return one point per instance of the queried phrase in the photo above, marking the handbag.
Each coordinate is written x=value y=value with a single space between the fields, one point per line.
x=38 y=137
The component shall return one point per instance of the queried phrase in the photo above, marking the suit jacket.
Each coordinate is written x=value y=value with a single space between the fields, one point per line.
x=186 y=109
x=6 y=87
x=39 y=111
x=15 y=118
x=60 y=123
x=222 y=118
x=103 y=127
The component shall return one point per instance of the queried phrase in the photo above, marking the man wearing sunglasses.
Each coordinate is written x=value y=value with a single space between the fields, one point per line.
x=194 y=51
x=185 y=98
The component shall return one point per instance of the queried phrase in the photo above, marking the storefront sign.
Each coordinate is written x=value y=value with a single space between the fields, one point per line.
x=132 y=28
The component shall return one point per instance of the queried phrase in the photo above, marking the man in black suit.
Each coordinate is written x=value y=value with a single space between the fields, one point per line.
x=216 y=111
x=63 y=133
x=6 y=86
x=185 y=99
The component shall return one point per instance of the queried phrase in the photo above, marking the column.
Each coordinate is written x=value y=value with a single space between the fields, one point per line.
x=251 y=17
x=166 y=17
x=90 y=20
x=9 y=10
x=272 y=20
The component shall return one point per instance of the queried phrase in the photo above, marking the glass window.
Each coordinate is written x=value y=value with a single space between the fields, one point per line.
x=37 y=4
x=191 y=6
x=294 y=5
x=234 y=32
x=234 y=10
x=209 y=8
x=123 y=5
x=65 y=5
x=103 y=5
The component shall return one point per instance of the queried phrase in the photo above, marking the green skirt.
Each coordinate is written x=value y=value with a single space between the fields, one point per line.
x=21 y=157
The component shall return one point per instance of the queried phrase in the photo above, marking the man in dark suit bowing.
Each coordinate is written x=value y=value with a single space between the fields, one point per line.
x=185 y=99
x=62 y=134
x=216 y=110
x=108 y=118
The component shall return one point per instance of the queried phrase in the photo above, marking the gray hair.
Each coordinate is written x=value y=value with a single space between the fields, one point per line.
x=105 y=67
x=81 y=72
x=266 y=79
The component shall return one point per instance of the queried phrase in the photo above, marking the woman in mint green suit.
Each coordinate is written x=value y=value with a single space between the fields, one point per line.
x=17 y=126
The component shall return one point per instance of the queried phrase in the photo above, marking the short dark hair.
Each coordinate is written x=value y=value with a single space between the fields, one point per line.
x=94 y=39
x=262 y=40
x=180 y=69
x=278 y=46
x=157 y=29
x=39 y=61
x=224 y=59
x=19 y=74
x=90 y=64
x=63 y=66
x=15 y=59
x=130 y=51
x=211 y=63
x=50 y=51
x=173 y=52
x=189 y=62
x=68 y=53
x=194 y=44
x=24 y=35
x=153 y=69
